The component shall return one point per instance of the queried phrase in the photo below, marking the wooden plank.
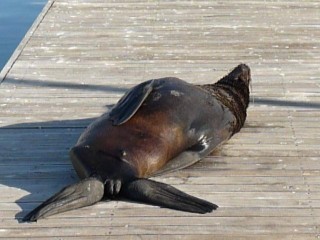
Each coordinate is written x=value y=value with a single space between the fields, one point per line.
x=146 y=230
x=295 y=236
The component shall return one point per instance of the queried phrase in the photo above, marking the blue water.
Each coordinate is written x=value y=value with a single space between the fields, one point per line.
x=16 y=17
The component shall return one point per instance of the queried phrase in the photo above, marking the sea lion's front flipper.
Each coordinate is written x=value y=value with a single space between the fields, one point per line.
x=163 y=195
x=183 y=160
x=84 y=193
x=190 y=156
x=129 y=104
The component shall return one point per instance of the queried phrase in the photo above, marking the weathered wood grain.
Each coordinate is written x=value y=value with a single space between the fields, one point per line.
x=80 y=57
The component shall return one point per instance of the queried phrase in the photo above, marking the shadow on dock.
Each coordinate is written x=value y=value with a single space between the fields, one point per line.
x=116 y=89
x=65 y=85
x=285 y=103
x=44 y=175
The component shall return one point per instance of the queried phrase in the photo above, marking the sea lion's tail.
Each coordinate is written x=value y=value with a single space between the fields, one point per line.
x=163 y=195
x=84 y=193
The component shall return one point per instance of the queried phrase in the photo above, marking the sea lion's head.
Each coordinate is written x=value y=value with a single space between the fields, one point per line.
x=239 y=77
x=241 y=73
x=236 y=86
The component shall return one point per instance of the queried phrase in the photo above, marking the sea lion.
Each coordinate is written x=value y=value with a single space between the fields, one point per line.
x=158 y=126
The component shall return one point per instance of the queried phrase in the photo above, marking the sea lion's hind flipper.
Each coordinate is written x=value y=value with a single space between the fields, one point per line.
x=163 y=195
x=129 y=104
x=84 y=193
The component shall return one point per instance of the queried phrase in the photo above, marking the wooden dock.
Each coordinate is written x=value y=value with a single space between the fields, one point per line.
x=80 y=56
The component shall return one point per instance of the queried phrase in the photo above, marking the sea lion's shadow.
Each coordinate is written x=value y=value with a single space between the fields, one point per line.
x=34 y=162
x=34 y=157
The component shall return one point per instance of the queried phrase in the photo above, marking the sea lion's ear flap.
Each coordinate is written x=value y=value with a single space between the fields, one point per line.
x=129 y=104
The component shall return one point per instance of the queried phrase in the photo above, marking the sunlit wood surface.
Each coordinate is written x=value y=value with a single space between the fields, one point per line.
x=79 y=58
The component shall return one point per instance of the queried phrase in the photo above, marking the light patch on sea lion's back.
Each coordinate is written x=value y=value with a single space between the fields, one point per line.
x=176 y=93
x=156 y=96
